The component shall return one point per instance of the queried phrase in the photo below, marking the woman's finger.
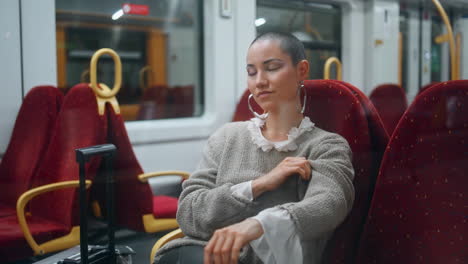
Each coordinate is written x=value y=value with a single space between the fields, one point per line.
x=236 y=248
x=208 y=251
x=226 y=249
x=216 y=254
x=308 y=170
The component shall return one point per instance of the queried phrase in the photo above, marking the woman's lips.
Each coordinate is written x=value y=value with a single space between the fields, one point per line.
x=263 y=94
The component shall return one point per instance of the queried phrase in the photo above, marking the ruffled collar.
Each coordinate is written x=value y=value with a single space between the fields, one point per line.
x=255 y=125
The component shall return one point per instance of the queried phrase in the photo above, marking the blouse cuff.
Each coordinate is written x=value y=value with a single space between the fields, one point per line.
x=280 y=242
x=243 y=190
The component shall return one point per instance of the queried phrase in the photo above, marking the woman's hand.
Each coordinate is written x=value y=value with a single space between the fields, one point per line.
x=225 y=244
x=288 y=167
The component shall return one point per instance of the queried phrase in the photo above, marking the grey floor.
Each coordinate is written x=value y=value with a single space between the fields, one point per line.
x=140 y=242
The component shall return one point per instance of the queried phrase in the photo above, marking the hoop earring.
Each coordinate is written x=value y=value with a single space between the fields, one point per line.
x=305 y=97
x=263 y=117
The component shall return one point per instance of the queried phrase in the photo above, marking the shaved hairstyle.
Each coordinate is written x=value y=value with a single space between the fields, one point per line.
x=288 y=43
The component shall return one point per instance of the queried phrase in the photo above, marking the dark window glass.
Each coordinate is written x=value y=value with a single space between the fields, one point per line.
x=160 y=48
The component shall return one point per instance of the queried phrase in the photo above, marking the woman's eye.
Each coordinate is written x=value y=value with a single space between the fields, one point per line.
x=273 y=68
x=251 y=72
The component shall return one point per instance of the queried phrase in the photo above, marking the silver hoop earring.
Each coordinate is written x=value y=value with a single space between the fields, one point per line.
x=305 y=97
x=263 y=117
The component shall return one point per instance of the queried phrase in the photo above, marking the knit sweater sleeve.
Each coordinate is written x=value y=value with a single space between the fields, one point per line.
x=330 y=194
x=203 y=205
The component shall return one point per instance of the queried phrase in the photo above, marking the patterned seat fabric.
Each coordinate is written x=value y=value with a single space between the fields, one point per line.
x=427 y=86
x=29 y=141
x=338 y=249
x=126 y=169
x=153 y=105
x=332 y=106
x=53 y=214
x=418 y=212
x=390 y=101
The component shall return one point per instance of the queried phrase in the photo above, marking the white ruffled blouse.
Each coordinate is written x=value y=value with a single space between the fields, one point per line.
x=255 y=127
x=280 y=241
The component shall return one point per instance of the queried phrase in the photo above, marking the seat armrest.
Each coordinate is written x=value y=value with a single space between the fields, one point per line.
x=27 y=196
x=164 y=240
x=145 y=176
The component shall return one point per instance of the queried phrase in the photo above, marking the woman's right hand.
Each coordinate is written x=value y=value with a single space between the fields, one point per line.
x=276 y=177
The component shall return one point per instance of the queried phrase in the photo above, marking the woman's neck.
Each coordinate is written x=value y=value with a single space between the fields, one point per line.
x=279 y=122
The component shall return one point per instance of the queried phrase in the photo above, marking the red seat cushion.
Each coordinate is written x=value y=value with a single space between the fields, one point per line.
x=6 y=210
x=164 y=206
x=418 y=212
x=390 y=101
x=13 y=245
x=29 y=141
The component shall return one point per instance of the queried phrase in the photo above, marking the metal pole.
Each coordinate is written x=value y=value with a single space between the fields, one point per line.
x=83 y=220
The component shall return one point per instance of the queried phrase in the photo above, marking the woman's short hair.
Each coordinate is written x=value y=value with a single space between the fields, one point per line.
x=288 y=43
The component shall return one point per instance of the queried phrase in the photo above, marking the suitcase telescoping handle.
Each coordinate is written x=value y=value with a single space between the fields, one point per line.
x=107 y=151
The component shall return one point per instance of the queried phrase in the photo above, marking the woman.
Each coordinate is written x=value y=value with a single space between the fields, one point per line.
x=271 y=189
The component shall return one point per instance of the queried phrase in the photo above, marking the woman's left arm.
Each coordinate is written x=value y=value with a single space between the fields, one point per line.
x=330 y=194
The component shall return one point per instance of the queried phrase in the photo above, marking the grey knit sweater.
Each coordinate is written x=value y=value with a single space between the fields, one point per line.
x=230 y=157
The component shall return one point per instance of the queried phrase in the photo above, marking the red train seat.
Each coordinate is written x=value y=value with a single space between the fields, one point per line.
x=153 y=105
x=54 y=214
x=418 y=212
x=145 y=211
x=427 y=86
x=28 y=143
x=332 y=106
x=337 y=250
x=390 y=101
x=180 y=102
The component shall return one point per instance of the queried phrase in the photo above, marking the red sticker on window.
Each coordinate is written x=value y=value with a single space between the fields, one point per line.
x=135 y=9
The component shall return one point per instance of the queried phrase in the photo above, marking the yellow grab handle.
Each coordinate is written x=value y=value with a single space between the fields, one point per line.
x=453 y=59
x=326 y=69
x=26 y=197
x=117 y=73
x=143 y=84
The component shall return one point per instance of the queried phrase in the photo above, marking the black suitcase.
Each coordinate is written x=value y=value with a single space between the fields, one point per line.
x=94 y=254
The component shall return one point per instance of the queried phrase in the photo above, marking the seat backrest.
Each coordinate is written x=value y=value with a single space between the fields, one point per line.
x=78 y=125
x=333 y=107
x=242 y=112
x=153 y=104
x=418 y=212
x=29 y=141
x=134 y=198
x=180 y=102
x=390 y=101
x=429 y=85
x=336 y=248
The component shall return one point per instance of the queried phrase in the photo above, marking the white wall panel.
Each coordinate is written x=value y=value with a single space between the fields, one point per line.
x=245 y=15
x=426 y=51
x=353 y=44
x=10 y=69
x=412 y=55
x=39 y=53
x=382 y=27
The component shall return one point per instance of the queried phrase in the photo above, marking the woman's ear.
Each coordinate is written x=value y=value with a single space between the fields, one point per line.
x=303 y=69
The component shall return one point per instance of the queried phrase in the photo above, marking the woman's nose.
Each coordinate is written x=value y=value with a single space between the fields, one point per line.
x=261 y=80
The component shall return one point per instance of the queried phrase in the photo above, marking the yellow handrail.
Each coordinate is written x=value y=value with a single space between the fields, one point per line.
x=84 y=76
x=458 y=53
x=103 y=93
x=56 y=244
x=326 y=69
x=145 y=176
x=453 y=59
x=145 y=85
x=164 y=240
x=400 y=59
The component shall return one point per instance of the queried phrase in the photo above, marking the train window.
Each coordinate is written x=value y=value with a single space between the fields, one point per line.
x=318 y=26
x=160 y=46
